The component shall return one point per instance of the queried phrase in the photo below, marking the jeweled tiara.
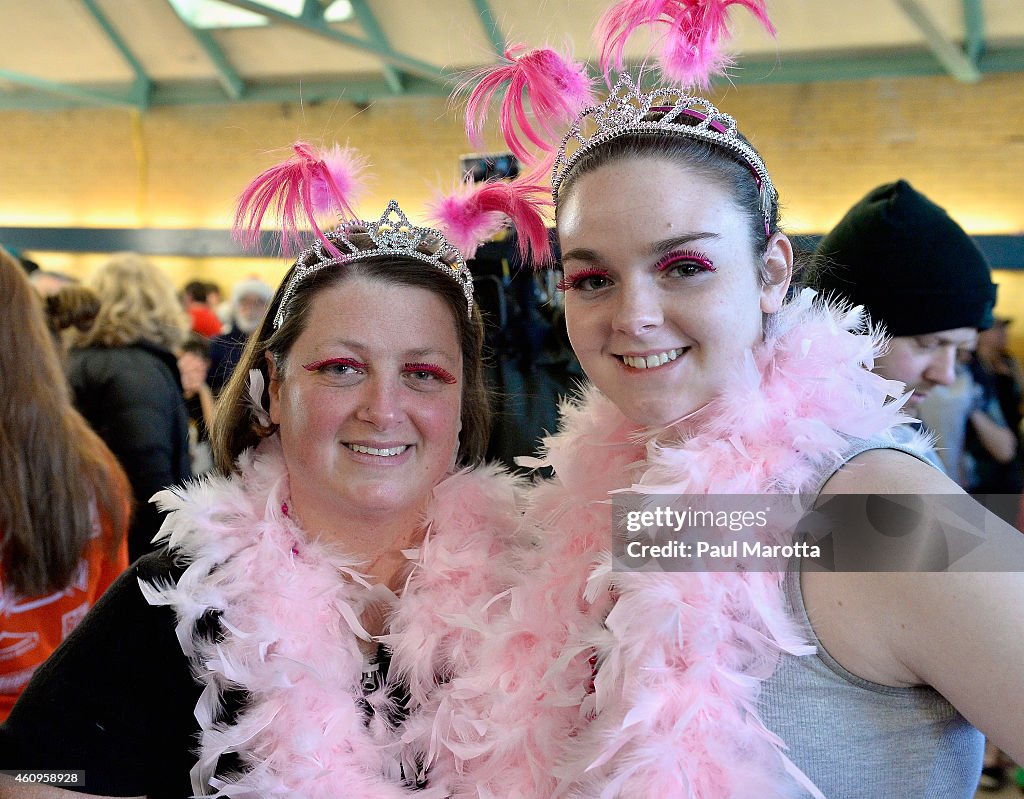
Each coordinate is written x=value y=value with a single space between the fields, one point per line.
x=392 y=234
x=627 y=110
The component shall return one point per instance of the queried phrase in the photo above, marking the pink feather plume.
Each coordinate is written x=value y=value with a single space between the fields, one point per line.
x=557 y=88
x=474 y=212
x=310 y=183
x=691 y=51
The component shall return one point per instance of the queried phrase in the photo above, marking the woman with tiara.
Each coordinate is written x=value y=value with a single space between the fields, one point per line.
x=705 y=380
x=311 y=599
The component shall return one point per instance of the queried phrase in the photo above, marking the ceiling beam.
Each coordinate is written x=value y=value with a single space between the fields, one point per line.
x=821 y=67
x=229 y=79
x=974 y=28
x=360 y=91
x=491 y=26
x=142 y=84
x=955 y=60
x=318 y=27
x=371 y=27
x=79 y=95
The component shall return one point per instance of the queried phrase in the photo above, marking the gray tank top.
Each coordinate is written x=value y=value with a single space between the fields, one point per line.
x=857 y=739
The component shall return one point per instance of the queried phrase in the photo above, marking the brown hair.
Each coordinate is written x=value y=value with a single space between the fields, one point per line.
x=52 y=465
x=234 y=428
x=72 y=306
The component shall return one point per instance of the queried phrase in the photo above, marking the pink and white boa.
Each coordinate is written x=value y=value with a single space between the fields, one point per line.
x=680 y=658
x=289 y=610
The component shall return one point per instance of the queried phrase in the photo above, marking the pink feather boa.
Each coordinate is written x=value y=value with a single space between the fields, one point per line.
x=673 y=707
x=289 y=612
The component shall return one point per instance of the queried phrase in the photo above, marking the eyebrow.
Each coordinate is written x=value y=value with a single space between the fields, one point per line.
x=657 y=248
x=407 y=355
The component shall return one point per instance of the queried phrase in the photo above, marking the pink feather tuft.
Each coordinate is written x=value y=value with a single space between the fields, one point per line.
x=295 y=191
x=473 y=213
x=335 y=187
x=690 y=47
x=558 y=90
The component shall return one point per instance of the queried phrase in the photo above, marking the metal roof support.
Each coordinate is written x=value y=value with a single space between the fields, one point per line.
x=371 y=27
x=317 y=26
x=955 y=60
x=82 y=95
x=974 y=27
x=491 y=26
x=233 y=84
x=142 y=84
x=229 y=79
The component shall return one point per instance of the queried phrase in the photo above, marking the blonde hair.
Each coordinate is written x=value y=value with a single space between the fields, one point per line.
x=138 y=302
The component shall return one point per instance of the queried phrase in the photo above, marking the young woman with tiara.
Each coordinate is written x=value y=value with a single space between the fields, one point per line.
x=707 y=380
x=311 y=600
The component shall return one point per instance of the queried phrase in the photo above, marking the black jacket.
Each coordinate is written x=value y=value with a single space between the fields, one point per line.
x=133 y=399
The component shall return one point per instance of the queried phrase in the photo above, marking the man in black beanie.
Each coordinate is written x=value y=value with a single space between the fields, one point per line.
x=916 y=271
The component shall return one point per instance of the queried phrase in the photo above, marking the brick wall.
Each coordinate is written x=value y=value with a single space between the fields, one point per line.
x=826 y=144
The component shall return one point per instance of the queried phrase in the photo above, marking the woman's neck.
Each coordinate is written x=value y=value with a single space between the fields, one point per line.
x=374 y=540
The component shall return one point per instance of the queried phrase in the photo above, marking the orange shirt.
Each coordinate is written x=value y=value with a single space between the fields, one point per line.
x=32 y=627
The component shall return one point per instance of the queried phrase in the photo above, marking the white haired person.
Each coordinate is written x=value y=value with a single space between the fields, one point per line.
x=249 y=299
x=731 y=677
x=314 y=597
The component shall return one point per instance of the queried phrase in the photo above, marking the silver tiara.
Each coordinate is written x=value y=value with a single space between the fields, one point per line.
x=392 y=234
x=626 y=111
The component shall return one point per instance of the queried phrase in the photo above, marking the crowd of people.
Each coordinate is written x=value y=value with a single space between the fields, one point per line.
x=348 y=600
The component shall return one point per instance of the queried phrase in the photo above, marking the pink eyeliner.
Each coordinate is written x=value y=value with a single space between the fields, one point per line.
x=690 y=256
x=441 y=374
x=570 y=282
x=315 y=365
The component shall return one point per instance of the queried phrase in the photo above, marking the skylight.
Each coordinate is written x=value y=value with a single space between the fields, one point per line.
x=208 y=14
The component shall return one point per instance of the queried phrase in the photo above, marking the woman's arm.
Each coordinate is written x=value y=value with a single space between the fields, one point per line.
x=960 y=632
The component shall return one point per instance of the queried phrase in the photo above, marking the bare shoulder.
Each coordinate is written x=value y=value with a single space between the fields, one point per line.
x=889 y=471
x=958 y=629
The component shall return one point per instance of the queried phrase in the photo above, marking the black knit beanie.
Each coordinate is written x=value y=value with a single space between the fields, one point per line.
x=908 y=263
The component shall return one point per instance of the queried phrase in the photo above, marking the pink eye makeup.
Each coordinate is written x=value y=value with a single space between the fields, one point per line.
x=575 y=280
x=433 y=369
x=691 y=258
x=316 y=366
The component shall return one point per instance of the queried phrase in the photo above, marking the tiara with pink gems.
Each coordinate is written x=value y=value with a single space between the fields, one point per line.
x=391 y=235
x=628 y=111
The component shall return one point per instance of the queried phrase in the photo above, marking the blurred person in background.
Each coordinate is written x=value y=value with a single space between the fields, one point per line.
x=126 y=383
x=195 y=298
x=994 y=356
x=249 y=300
x=47 y=283
x=194 y=366
x=64 y=500
x=918 y=273
x=73 y=309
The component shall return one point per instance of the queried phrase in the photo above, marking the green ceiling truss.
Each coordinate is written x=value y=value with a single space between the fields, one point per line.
x=368 y=22
x=490 y=25
x=955 y=60
x=231 y=82
x=403 y=74
x=141 y=85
